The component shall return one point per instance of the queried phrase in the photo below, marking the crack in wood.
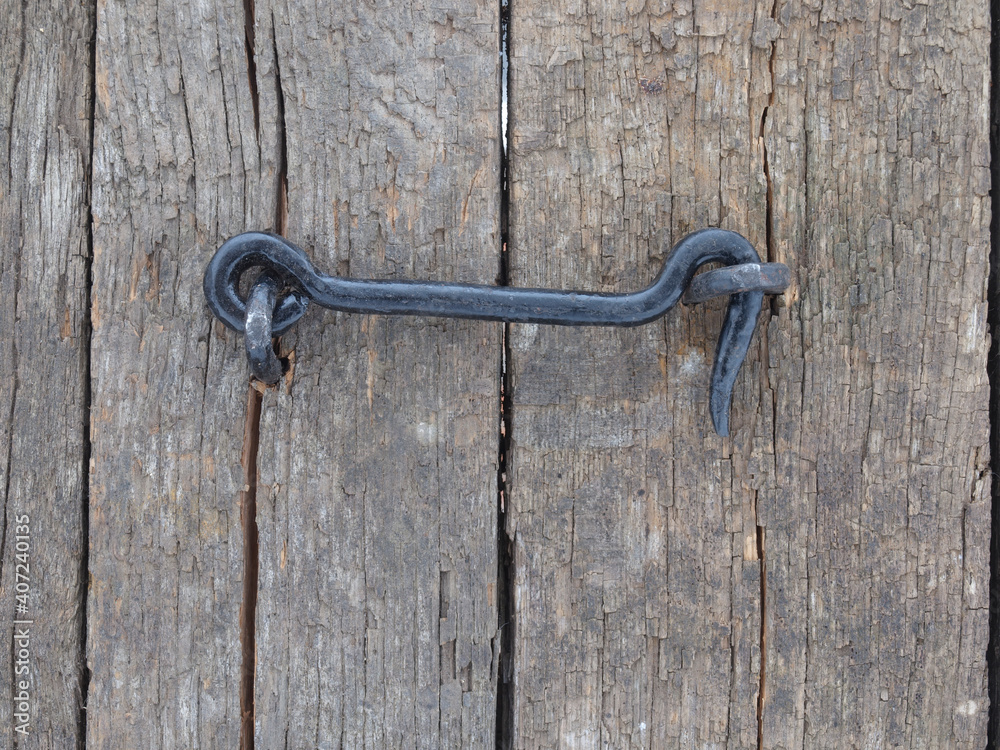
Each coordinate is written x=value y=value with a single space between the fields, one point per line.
x=769 y=200
x=773 y=306
x=281 y=210
x=251 y=436
x=249 y=22
x=14 y=87
x=763 y=634
x=251 y=564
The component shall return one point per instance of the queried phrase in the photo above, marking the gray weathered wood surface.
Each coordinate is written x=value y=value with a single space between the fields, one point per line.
x=635 y=536
x=179 y=165
x=821 y=578
x=45 y=156
x=377 y=498
x=319 y=564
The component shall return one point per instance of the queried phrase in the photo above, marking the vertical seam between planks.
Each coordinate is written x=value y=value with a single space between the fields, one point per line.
x=87 y=334
x=993 y=372
x=504 y=728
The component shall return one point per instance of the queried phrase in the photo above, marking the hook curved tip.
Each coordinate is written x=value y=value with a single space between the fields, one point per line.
x=720 y=417
x=734 y=343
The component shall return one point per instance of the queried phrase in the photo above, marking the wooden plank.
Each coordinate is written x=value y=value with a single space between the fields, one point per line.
x=184 y=157
x=45 y=97
x=878 y=520
x=637 y=594
x=377 y=608
x=842 y=530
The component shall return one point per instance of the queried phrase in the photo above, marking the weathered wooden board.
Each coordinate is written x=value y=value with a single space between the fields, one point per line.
x=45 y=111
x=182 y=160
x=637 y=578
x=43 y=275
x=820 y=578
x=377 y=611
x=877 y=503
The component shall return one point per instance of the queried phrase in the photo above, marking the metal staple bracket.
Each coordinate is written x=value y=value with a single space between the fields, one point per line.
x=287 y=281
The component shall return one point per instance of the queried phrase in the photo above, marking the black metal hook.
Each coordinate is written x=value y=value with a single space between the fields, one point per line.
x=288 y=281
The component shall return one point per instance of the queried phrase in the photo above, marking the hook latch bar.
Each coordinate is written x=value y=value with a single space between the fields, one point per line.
x=288 y=281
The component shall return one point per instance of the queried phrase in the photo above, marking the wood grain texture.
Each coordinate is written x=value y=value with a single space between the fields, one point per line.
x=180 y=164
x=637 y=601
x=878 y=520
x=45 y=105
x=377 y=607
x=819 y=579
